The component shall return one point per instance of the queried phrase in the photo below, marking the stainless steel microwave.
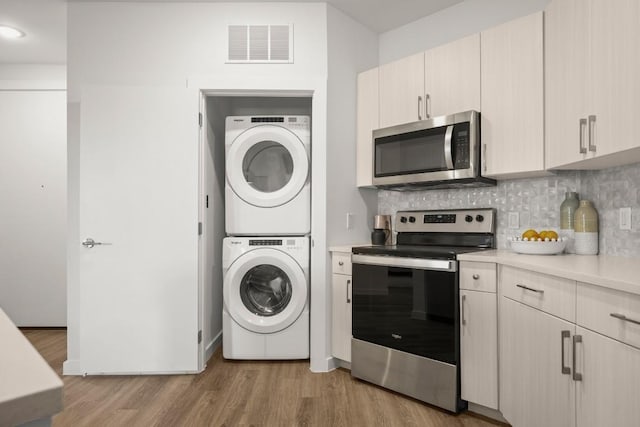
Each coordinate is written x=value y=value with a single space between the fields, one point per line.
x=442 y=152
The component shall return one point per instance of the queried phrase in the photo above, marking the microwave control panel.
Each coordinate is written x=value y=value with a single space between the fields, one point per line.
x=461 y=146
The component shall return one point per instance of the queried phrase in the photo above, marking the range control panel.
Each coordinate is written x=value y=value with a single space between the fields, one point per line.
x=452 y=221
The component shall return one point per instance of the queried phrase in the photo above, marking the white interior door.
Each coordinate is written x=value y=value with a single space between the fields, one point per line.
x=33 y=154
x=138 y=192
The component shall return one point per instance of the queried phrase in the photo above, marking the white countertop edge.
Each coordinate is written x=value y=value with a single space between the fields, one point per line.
x=29 y=389
x=346 y=248
x=613 y=272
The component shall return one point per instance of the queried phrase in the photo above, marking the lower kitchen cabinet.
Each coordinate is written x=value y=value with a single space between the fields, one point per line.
x=535 y=387
x=609 y=392
x=478 y=334
x=341 y=306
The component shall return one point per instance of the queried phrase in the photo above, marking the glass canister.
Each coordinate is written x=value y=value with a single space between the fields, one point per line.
x=586 y=229
x=567 y=212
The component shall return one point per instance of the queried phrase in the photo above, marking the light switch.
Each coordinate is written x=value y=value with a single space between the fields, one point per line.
x=625 y=218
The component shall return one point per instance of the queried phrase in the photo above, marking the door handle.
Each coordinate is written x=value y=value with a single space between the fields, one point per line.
x=348 y=299
x=427 y=104
x=592 y=133
x=583 y=124
x=576 y=375
x=625 y=318
x=419 y=107
x=526 y=288
x=563 y=335
x=89 y=243
x=463 y=320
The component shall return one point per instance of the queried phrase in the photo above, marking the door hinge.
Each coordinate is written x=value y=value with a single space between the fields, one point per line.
x=200 y=119
x=199 y=229
x=199 y=337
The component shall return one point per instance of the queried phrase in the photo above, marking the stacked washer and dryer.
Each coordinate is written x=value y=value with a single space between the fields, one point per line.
x=268 y=220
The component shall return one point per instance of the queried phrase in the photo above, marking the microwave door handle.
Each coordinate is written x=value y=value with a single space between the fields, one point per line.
x=448 y=155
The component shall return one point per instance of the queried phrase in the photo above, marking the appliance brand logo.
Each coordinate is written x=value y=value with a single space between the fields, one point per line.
x=396 y=336
x=235 y=242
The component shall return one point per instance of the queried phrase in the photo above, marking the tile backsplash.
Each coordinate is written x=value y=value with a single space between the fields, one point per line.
x=538 y=200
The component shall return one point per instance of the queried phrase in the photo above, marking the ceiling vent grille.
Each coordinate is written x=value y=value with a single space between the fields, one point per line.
x=260 y=44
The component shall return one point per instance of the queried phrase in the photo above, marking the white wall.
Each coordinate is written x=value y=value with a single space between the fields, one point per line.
x=33 y=193
x=352 y=49
x=183 y=45
x=457 y=21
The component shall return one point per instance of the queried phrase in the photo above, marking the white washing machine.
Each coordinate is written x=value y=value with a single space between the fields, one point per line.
x=267 y=186
x=266 y=298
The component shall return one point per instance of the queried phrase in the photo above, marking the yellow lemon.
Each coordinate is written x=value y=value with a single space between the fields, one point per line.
x=543 y=234
x=530 y=234
x=552 y=235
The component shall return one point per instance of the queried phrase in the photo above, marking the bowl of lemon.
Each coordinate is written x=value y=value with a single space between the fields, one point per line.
x=532 y=242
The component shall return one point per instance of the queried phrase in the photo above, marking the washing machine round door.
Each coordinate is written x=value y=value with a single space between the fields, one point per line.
x=267 y=166
x=265 y=290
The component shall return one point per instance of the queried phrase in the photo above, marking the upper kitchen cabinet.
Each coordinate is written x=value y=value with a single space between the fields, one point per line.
x=367 y=117
x=512 y=119
x=592 y=64
x=401 y=91
x=452 y=77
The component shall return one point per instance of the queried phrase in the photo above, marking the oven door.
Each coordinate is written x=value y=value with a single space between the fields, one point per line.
x=407 y=304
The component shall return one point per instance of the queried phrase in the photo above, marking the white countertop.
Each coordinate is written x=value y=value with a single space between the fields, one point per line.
x=611 y=272
x=346 y=248
x=29 y=388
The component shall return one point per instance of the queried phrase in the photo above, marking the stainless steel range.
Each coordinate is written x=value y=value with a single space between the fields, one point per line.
x=406 y=332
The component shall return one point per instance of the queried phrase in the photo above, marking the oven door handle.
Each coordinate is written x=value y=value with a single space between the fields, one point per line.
x=417 y=263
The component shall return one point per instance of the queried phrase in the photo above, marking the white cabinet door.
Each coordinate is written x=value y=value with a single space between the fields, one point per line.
x=533 y=389
x=367 y=122
x=452 y=77
x=566 y=65
x=513 y=98
x=479 y=348
x=402 y=91
x=341 y=318
x=608 y=393
x=614 y=69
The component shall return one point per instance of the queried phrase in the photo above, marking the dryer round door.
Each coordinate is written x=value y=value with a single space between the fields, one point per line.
x=265 y=290
x=267 y=166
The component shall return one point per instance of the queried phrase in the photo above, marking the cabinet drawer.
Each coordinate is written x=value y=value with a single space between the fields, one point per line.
x=553 y=295
x=596 y=306
x=478 y=276
x=341 y=263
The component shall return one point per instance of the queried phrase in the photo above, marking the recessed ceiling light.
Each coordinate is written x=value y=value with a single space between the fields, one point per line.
x=10 y=32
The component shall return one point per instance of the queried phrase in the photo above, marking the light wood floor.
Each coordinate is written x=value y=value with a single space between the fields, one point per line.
x=234 y=393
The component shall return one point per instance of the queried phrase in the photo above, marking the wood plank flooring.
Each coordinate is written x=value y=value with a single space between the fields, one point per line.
x=235 y=393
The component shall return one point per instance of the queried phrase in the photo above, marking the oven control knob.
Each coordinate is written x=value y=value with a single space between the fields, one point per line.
x=468 y=218
x=479 y=218
x=412 y=219
x=403 y=219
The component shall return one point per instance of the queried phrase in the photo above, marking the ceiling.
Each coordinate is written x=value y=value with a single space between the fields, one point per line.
x=44 y=21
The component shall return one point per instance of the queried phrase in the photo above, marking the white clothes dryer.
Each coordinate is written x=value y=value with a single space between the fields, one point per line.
x=266 y=298
x=267 y=185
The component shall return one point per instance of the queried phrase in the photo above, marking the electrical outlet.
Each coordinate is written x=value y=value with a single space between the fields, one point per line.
x=625 y=218
x=514 y=220
x=349 y=220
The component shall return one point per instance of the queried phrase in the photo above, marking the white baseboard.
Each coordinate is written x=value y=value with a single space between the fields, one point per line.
x=487 y=412
x=215 y=344
x=72 y=367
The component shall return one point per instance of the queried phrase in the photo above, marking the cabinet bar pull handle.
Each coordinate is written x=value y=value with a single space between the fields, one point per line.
x=476 y=276
x=348 y=299
x=540 y=291
x=576 y=375
x=464 y=321
x=592 y=133
x=427 y=104
x=625 y=318
x=583 y=124
x=419 y=107
x=565 y=369
x=484 y=157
